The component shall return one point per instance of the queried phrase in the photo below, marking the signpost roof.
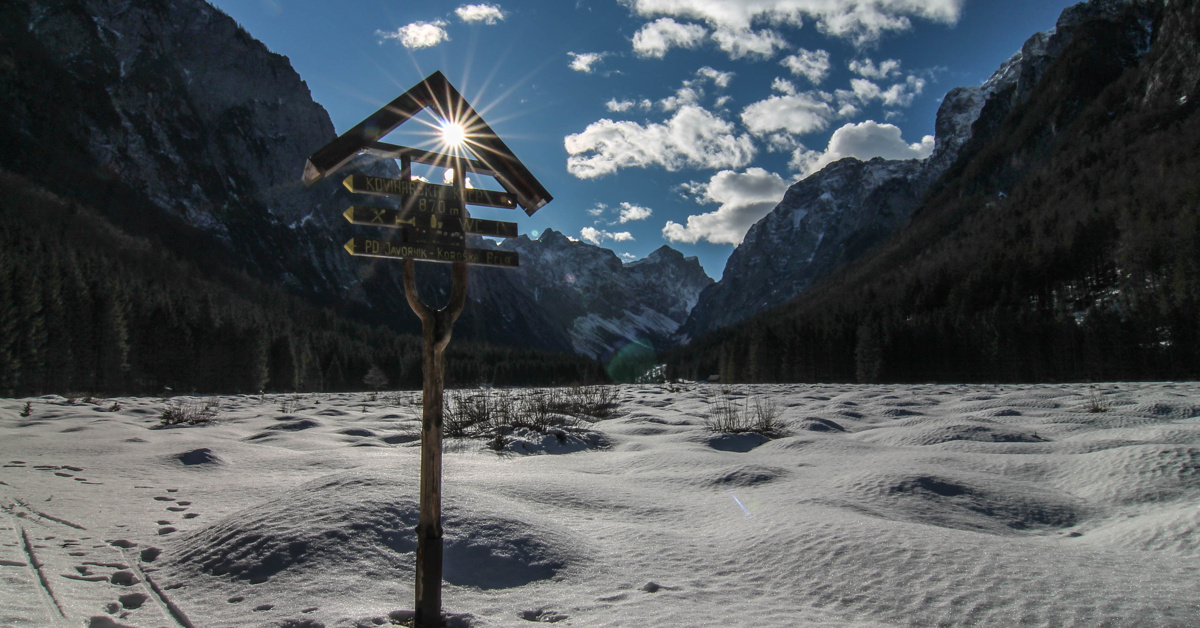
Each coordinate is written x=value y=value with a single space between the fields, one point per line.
x=436 y=93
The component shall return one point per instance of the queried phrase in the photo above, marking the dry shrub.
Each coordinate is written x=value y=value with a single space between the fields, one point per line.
x=762 y=417
x=181 y=413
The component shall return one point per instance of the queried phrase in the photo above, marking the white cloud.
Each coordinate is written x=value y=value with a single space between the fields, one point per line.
x=683 y=97
x=486 y=13
x=631 y=212
x=813 y=65
x=867 y=68
x=865 y=141
x=861 y=21
x=693 y=90
x=898 y=95
x=596 y=236
x=739 y=43
x=586 y=61
x=419 y=34
x=597 y=209
x=743 y=198
x=692 y=137
x=784 y=86
x=718 y=78
x=657 y=37
x=792 y=113
x=619 y=106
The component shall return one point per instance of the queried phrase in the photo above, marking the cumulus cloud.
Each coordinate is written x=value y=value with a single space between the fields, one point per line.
x=586 y=61
x=597 y=209
x=596 y=236
x=744 y=198
x=684 y=96
x=860 y=21
x=867 y=68
x=865 y=141
x=619 y=106
x=692 y=137
x=693 y=90
x=718 y=78
x=486 y=13
x=789 y=112
x=657 y=37
x=631 y=212
x=813 y=65
x=898 y=95
x=419 y=34
x=739 y=43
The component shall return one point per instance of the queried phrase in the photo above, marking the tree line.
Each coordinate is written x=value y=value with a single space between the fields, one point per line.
x=85 y=307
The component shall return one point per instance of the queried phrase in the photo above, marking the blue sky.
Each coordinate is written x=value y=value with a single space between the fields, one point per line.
x=658 y=122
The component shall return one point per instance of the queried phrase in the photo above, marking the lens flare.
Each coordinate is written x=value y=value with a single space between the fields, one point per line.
x=453 y=134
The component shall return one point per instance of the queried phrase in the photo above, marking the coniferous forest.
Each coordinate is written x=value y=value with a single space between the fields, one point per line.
x=1067 y=248
x=87 y=308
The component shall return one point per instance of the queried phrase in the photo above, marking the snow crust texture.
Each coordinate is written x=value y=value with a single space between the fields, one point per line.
x=1063 y=505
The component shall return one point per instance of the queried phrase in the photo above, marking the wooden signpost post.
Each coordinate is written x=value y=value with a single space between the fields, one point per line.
x=431 y=224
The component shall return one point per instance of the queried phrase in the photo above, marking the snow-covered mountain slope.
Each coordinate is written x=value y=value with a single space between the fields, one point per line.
x=586 y=294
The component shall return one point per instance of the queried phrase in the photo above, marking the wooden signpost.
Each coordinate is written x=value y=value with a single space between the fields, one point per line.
x=431 y=224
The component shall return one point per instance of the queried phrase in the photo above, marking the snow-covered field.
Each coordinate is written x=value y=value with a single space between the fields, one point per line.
x=886 y=505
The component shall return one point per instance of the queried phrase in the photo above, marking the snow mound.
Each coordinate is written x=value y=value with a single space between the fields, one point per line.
x=202 y=456
x=919 y=435
x=747 y=475
x=738 y=443
x=979 y=504
x=532 y=442
x=817 y=424
x=362 y=526
x=1135 y=474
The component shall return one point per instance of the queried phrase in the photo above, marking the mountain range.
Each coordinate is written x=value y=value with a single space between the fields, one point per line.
x=182 y=132
x=179 y=126
x=1051 y=235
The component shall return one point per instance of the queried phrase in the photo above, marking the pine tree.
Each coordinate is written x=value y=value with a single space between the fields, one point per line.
x=375 y=378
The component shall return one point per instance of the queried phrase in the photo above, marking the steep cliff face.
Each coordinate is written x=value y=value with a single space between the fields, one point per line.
x=834 y=216
x=823 y=222
x=175 y=122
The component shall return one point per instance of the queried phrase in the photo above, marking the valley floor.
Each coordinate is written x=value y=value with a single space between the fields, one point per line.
x=937 y=505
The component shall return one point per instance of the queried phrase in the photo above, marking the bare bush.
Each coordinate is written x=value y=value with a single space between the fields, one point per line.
x=755 y=415
x=1095 y=403
x=289 y=405
x=181 y=413
x=593 y=401
x=475 y=413
x=538 y=410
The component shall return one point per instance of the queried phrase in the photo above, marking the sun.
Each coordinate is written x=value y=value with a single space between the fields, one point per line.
x=453 y=134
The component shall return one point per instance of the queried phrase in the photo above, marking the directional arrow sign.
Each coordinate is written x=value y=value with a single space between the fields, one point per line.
x=363 y=184
x=369 y=247
x=393 y=218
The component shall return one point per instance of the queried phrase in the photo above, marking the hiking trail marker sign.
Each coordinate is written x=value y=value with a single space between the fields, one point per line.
x=431 y=224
